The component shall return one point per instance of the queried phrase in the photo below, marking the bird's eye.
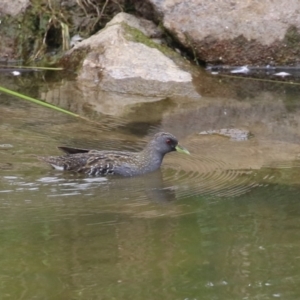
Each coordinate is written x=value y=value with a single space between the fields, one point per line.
x=168 y=141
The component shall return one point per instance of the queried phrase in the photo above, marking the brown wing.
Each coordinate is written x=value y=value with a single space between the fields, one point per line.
x=94 y=163
x=104 y=163
x=71 y=162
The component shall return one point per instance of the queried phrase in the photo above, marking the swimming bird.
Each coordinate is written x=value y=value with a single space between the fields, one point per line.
x=124 y=163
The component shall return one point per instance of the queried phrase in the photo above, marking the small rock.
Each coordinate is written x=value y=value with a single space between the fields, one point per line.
x=234 y=134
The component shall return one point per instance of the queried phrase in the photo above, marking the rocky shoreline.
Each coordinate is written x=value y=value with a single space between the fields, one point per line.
x=151 y=51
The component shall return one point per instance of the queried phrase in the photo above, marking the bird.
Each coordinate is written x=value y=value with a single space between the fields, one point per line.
x=124 y=163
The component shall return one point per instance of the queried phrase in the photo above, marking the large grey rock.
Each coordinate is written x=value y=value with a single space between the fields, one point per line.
x=13 y=7
x=235 y=32
x=147 y=27
x=10 y=31
x=125 y=60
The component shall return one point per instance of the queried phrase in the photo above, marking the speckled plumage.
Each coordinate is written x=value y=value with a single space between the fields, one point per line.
x=124 y=163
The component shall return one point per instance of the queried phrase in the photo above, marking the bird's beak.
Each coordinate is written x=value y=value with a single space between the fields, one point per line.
x=182 y=149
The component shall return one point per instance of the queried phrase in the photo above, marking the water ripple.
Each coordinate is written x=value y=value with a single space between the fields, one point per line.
x=211 y=173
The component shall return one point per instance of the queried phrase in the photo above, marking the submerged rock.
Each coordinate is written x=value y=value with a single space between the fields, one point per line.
x=122 y=58
x=234 y=134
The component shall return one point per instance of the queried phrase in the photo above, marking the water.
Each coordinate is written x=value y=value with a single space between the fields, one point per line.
x=223 y=223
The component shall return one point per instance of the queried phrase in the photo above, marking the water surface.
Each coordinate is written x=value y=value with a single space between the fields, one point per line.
x=223 y=223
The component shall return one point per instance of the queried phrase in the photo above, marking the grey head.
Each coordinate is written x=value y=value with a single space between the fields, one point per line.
x=164 y=142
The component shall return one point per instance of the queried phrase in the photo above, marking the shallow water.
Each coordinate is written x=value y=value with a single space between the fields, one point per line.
x=222 y=223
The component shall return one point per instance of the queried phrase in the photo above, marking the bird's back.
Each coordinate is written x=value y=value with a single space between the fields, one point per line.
x=98 y=163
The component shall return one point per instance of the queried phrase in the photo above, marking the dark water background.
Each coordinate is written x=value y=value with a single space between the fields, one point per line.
x=223 y=223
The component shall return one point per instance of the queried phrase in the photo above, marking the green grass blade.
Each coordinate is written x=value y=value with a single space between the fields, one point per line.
x=31 y=68
x=40 y=102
